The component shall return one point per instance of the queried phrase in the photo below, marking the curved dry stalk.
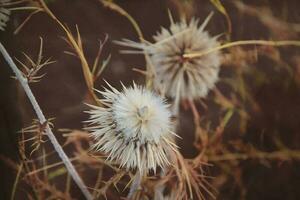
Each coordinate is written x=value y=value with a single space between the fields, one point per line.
x=24 y=83
x=219 y=6
x=16 y=182
x=121 y=11
x=76 y=44
x=275 y=155
x=199 y=133
x=149 y=67
x=244 y=42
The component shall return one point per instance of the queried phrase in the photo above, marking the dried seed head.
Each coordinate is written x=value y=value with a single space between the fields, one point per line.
x=177 y=75
x=133 y=128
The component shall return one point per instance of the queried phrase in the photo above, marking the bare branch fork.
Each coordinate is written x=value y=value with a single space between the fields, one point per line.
x=69 y=166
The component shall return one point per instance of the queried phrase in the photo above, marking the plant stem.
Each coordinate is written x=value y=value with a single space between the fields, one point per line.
x=245 y=42
x=136 y=183
x=24 y=83
x=16 y=182
x=275 y=155
x=149 y=65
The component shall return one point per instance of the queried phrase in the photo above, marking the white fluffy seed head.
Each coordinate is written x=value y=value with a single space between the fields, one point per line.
x=133 y=128
x=177 y=75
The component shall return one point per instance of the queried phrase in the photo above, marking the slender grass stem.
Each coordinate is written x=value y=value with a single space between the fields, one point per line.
x=16 y=182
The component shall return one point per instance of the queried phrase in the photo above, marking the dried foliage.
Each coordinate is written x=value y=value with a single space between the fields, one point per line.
x=32 y=68
x=220 y=122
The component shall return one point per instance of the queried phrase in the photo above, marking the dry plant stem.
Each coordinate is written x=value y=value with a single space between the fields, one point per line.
x=149 y=66
x=222 y=10
x=42 y=120
x=77 y=45
x=195 y=112
x=276 y=155
x=16 y=181
x=135 y=185
x=98 y=181
x=246 y=42
x=199 y=133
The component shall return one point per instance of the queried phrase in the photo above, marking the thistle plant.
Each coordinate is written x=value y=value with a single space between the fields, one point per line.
x=133 y=128
x=176 y=75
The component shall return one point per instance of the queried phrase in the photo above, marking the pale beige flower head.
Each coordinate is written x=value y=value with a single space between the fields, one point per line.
x=133 y=128
x=177 y=75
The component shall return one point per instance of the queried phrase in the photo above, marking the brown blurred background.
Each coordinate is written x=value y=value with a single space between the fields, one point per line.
x=61 y=93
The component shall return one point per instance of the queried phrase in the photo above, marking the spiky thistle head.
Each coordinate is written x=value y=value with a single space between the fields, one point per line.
x=133 y=128
x=177 y=75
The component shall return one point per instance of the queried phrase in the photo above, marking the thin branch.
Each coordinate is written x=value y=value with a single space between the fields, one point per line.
x=48 y=131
